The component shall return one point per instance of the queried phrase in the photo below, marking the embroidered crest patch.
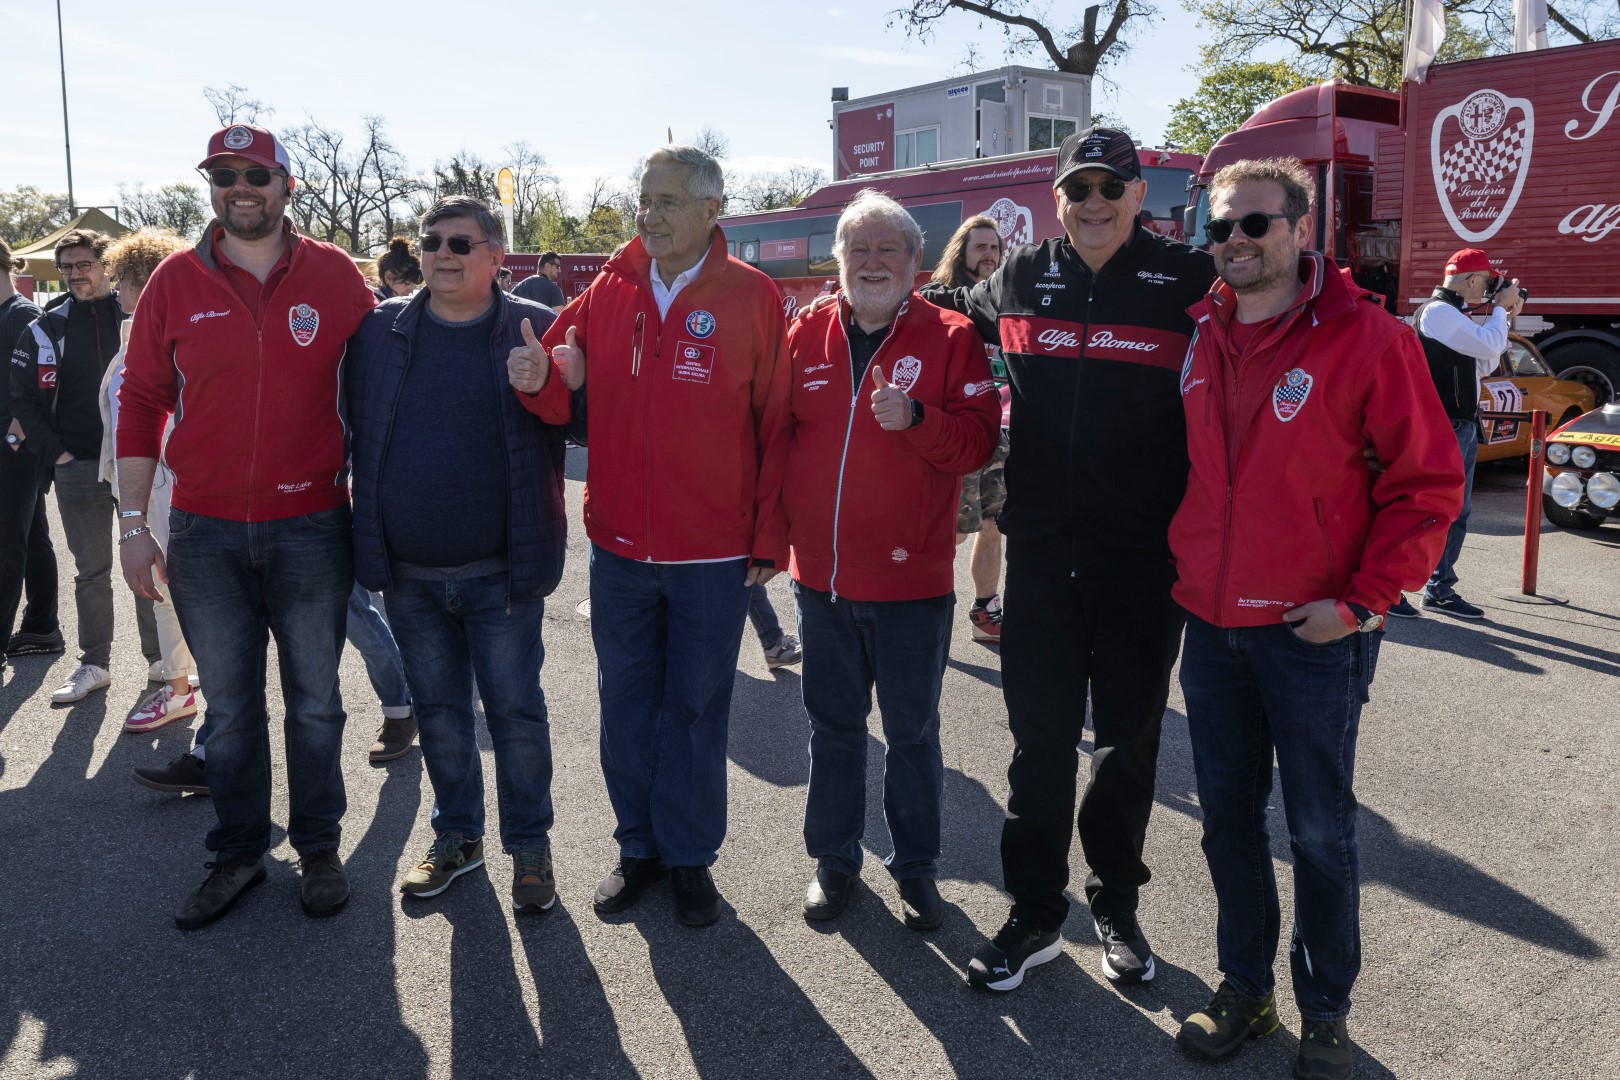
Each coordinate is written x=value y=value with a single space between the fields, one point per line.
x=304 y=321
x=238 y=138
x=906 y=371
x=1290 y=394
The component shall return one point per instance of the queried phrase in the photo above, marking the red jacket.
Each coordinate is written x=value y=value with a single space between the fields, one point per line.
x=259 y=430
x=871 y=514
x=685 y=415
x=1281 y=507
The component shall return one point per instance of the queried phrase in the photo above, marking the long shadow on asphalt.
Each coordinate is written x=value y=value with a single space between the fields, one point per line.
x=1493 y=643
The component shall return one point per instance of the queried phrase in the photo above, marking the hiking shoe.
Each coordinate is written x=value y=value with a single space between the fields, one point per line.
x=85 y=680
x=533 y=888
x=625 y=883
x=324 y=887
x=1325 y=1051
x=1127 y=958
x=183 y=776
x=394 y=738
x=1454 y=606
x=784 y=653
x=697 y=901
x=21 y=644
x=986 y=622
x=450 y=856
x=920 y=902
x=219 y=892
x=1001 y=964
x=163 y=706
x=1219 y=1028
x=1403 y=609
x=828 y=894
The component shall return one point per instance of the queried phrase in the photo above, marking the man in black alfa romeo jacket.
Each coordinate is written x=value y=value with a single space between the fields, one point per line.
x=1094 y=328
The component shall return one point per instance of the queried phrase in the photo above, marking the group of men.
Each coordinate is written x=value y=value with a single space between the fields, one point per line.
x=1178 y=420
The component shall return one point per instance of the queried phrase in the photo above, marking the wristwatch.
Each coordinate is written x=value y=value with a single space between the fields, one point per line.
x=13 y=439
x=916 y=412
x=1366 y=621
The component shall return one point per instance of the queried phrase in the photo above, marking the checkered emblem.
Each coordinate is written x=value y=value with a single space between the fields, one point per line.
x=1480 y=154
x=1290 y=393
x=304 y=321
x=906 y=370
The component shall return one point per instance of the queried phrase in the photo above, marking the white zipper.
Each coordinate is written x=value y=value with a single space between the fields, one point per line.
x=849 y=427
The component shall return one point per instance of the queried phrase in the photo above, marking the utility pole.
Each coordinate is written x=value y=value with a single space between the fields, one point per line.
x=67 y=144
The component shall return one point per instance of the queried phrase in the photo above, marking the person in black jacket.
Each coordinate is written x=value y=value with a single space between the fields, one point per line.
x=541 y=287
x=459 y=521
x=1094 y=330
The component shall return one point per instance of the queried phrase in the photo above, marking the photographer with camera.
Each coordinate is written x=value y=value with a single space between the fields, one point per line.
x=1460 y=353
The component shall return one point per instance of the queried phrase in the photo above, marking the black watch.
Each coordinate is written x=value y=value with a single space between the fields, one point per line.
x=1366 y=621
x=916 y=412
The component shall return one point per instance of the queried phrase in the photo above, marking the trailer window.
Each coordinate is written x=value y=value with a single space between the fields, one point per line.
x=920 y=146
x=1046 y=132
x=821 y=257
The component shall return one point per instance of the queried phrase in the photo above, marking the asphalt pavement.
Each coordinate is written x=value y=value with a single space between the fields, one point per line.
x=1489 y=838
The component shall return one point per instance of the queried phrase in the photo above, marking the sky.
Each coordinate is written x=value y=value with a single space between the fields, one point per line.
x=591 y=85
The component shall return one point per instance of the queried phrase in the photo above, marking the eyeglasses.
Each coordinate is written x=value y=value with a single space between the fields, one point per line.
x=226 y=178
x=459 y=245
x=1254 y=226
x=78 y=267
x=663 y=204
x=1078 y=191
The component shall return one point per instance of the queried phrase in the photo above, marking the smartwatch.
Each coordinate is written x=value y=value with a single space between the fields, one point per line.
x=916 y=412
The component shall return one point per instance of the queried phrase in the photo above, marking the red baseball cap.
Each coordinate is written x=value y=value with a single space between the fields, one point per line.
x=247 y=141
x=1468 y=261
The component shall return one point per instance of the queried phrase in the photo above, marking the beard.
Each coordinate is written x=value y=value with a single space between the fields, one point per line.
x=250 y=223
x=874 y=298
x=1265 y=272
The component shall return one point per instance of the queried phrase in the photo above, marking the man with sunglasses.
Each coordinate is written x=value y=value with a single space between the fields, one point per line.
x=1288 y=550
x=252 y=325
x=1094 y=329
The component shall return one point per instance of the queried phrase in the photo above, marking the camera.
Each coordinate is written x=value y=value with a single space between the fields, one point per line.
x=1499 y=282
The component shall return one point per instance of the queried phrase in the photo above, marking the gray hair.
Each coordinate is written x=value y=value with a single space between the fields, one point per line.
x=872 y=203
x=704 y=180
x=465 y=206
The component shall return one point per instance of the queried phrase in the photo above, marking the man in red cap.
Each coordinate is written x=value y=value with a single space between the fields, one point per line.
x=252 y=323
x=1460 y=353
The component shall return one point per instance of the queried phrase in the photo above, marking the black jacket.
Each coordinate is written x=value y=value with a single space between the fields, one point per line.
x=15 y=315
x=34 y=392
x=1098 y=446
x=1453 y=372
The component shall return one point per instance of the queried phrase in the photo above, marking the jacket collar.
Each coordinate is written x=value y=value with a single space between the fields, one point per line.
x=411 y=312
x=632 y=260
x=1324 y=290
x=205 y=246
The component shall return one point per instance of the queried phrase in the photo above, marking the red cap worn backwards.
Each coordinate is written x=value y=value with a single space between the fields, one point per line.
x=249 y=141
x=1468 y=261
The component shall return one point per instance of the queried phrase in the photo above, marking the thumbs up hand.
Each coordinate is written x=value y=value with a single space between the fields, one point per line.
x=890 y=405
x=570 y=361
x=527 y=365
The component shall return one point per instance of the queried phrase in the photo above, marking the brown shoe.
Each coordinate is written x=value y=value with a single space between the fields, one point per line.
x=394 y=739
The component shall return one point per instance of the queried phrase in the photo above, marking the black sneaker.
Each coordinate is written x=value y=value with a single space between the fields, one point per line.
x=185 y=775
x=1453 y=605
x=626 y=882
x=323 y=888
x=697 y=901
x=21 y=644
x=1127 y=957
x=1325 y=1051
x=1001 y=964
x=1403 y=609
x=219 y=892
x=1219 y=1028
x=923 y=908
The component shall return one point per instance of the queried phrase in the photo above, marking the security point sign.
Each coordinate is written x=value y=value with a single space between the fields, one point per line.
x=865 y=140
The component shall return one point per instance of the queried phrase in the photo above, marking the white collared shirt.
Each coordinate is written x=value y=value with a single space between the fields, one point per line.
x=665 y=295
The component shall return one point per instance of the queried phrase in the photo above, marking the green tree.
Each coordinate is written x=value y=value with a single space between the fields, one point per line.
x=29 y=213
x=177 y=206
x=1227 y=95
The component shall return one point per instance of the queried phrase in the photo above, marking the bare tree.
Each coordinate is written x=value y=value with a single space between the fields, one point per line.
x=354 y=195
x=233 y=105
x=714 y=142
x=1077 y=46
x=176 y=206
x=774 y=190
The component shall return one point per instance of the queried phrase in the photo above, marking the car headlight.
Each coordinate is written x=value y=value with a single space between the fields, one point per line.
x=1565 y=490
x=1558 y=453
x=1584 y=457
x=1603 y=490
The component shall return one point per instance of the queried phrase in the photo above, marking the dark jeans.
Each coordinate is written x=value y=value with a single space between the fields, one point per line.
x=234 y=584
x=1443 y=582
x=666 y=637
x=900 y=646
x=1115 y=633
x=449 y=631
x=27 y=559
x=1251 y=692
x=763 y=616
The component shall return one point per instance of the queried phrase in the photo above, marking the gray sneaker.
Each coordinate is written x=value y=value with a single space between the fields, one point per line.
x=219 y=892
x=784 y=653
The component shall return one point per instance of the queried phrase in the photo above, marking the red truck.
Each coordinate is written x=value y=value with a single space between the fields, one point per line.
x=1407 y=178
x=795 y=246
x=578 y=271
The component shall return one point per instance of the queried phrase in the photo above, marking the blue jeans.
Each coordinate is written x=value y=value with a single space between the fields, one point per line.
x=900 y=646
x=449 y=631
x=763 y=616
x=1444 y=579
x=367 y=632
x=666 y=637
x=234 y=584
x=1250 y=692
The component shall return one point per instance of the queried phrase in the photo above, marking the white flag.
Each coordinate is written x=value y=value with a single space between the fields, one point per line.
x=1529 y=25
x=1424 y=37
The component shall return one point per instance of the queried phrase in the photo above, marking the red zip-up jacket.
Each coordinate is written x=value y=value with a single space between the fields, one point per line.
x=258 y=426
x=871 y=514
x=685 y=415
x=1281 y=507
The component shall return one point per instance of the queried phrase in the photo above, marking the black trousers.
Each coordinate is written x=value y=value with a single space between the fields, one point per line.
x=1115 y=632
x=27 y=560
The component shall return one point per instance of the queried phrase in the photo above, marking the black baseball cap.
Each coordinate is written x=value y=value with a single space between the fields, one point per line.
x=1103 y=148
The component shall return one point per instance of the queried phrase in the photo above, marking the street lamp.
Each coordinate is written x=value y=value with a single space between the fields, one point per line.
x=67 y=145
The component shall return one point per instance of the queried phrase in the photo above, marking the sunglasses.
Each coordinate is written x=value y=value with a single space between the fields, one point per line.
x=226 y=178
x=1254 y=226
x=458 y=245
x=1078 y=191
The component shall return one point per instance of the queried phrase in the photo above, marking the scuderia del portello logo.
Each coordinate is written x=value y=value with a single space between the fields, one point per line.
x=1480 y=154
x=304 y=321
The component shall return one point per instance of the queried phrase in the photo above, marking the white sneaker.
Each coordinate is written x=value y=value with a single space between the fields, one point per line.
x=154 y=672
x=84 y=681
x=164 y=706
